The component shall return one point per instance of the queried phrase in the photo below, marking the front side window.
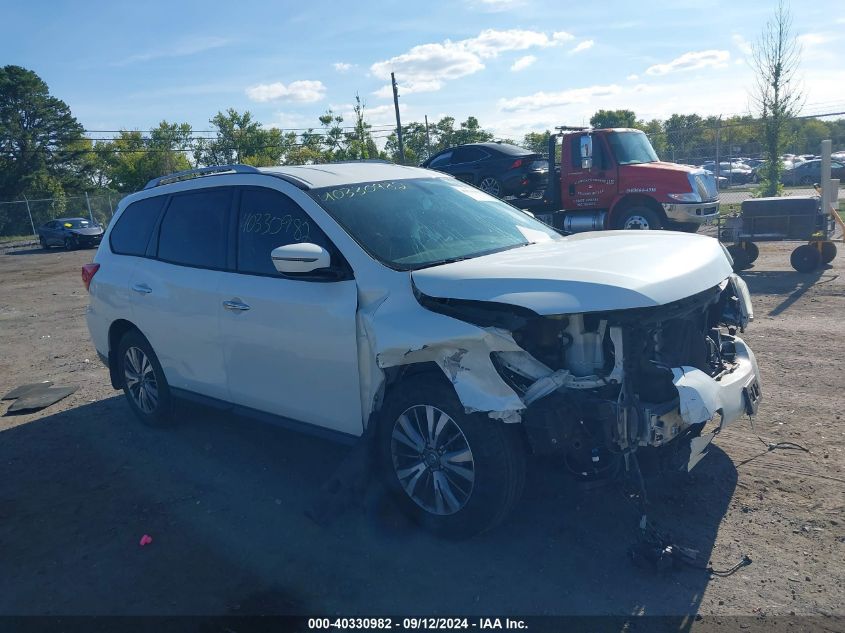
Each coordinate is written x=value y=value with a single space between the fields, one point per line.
x=420 y=222
x=632 y=148
x=194 y=229
x=269 y=219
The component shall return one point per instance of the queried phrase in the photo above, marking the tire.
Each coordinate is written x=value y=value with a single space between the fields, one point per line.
x=44 y=244
x=805 y=259
x=484 y=479
x=637 y=217
x=751 y=250
x=68 y=244
x=491 y=185
x=152 y=403
x=740 y=257
x=828 y=252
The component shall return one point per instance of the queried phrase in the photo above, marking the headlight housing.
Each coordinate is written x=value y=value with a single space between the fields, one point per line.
x=685 y=197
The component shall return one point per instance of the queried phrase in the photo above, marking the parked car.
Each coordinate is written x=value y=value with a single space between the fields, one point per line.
x=452 y=334
x=499 y=169
x=70 y=233
x=810 y=172
x=736 y=173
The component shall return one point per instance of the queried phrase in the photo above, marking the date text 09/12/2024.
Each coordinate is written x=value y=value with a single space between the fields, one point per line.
x=416 y=623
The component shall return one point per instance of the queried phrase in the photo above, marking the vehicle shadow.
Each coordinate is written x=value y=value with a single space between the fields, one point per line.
x=37 y=250
x=790 y=283
x=223 y=499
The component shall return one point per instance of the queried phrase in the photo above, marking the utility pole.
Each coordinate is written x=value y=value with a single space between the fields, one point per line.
x=718 y=139
x=427 y=139
x=398 y=121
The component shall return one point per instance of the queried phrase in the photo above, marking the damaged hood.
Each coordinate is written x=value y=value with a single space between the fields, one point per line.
x=585 y=272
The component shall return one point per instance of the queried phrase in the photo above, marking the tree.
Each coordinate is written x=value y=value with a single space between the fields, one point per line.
x=614 y=118
x=537 y=141
x=684 y=137
x=775 y=59
x=39 y=141
x=240 y=139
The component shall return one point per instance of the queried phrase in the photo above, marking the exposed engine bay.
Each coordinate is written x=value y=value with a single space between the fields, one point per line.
x=598 y=386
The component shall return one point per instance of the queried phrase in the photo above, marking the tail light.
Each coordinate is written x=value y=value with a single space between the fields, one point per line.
x=517 y=163
x=88 y=272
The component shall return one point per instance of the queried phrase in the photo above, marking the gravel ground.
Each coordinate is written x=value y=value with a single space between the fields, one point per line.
x=223 y=496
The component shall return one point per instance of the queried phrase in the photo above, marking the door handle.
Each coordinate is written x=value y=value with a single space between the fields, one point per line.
x=142 y=288
x=235 y=306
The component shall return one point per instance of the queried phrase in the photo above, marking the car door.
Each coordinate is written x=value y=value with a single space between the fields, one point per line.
x=467 y=163
x=290 y=343
x=594 y=187
x=175 y=291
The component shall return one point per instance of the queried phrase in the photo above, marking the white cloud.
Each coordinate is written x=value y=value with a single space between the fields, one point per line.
x=425 y=67
x=742 y=44
x=691 y=61
x=522 y=63
x=301 y=91
x=632 y=77
x=814 y=39
x=583 y=46
x=183 y=48
x=343 y=67
x=542 y=100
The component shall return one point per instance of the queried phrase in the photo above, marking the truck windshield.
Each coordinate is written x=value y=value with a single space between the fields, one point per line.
x=632 y=148
x=420 y=222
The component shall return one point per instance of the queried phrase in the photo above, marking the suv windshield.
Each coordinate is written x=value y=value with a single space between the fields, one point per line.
x=415 y=223
x=631 y=148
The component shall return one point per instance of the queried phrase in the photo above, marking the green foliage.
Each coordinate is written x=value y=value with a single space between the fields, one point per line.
x=240 y=139
x=38 y=142
x=614 y=118
x=537 y=141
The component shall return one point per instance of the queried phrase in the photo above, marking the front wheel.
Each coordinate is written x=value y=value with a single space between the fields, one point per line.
x=456 y=474
x=143 y=380
x=638 y=218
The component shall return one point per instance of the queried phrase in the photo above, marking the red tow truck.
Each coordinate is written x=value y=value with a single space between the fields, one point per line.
x=612 y=179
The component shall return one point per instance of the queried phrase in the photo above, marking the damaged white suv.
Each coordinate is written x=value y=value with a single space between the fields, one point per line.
x=453 y=332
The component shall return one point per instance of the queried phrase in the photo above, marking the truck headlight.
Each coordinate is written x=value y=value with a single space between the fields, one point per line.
x=685 y=197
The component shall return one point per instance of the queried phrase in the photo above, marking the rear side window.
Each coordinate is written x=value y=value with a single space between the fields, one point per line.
x=134 y=227
x=269 y=219
x=194 y=229
x=442 y=160
x=469 y=154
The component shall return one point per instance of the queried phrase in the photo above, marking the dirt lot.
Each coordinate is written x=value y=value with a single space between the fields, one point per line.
x=223 y=497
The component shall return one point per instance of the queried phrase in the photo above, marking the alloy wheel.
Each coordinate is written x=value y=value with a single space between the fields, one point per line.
x=140 y=379
x=432 y=459
x=490 y=185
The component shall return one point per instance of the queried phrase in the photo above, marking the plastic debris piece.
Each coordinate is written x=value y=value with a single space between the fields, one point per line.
x=40 y=398
x=146 y=540
x=19 y=392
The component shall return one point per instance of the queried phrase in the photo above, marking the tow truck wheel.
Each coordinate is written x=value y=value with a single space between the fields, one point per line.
x=805 y=259
x=457 y=474
x=828 y=250
x=638 y=218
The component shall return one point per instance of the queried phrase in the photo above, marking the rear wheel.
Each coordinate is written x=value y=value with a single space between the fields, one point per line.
x=454 y=473
x=68 y=244
x=638 y=218
x=143 y=380
x=805 y=259
x=491 y=185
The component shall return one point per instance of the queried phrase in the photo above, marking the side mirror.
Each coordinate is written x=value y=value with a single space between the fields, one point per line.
x=300 y=258
x=586 y=151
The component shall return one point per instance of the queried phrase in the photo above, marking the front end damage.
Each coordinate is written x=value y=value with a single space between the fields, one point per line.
x=591 y=388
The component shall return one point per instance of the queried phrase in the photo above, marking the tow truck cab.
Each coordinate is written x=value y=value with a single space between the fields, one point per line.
x=613 y=179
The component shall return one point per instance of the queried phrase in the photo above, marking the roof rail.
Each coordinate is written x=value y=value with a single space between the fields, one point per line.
x=201 y=171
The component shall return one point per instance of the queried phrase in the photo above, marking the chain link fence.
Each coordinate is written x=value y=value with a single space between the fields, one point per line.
x=21 y=218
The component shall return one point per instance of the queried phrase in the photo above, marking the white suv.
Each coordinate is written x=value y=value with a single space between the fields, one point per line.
x=451 y=332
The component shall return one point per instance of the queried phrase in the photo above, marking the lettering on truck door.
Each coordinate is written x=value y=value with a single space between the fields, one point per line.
x=592 y=188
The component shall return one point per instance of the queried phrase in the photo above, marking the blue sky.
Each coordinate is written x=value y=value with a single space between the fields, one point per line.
x=518 y=65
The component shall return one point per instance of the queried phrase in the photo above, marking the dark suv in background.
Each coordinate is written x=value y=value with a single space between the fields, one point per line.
x=499 y=169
